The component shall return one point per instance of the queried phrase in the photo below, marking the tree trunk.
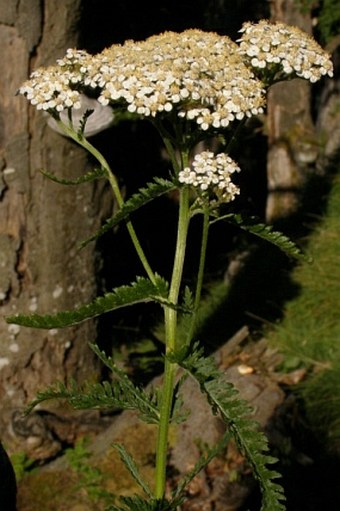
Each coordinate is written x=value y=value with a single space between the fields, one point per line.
x=291 y=133
x=41 y=223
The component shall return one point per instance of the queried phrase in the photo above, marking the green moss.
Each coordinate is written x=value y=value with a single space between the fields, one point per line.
x=309 y=334
x=54 y=491
x=22 y=464
x=139 y=440
x=88 y=483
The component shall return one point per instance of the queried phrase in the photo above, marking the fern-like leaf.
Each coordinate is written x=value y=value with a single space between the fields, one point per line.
x=251 y=442
x=96 y=173
x=137 y=503
x=153 y=190
x=147 y=403
x=267 y=233
x=83 y=121
x=120 y=394
x=132 y=468
x=107 y=361
x=143 y=290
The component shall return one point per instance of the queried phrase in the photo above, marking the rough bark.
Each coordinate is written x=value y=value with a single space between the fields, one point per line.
x=41 y=222
x=291 y=132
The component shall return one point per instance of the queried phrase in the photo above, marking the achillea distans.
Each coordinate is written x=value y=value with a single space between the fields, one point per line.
x=211 y=173
x=50 y=89
x=198 y=75
x=284 y=51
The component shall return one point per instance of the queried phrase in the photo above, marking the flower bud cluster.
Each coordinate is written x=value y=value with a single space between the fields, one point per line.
x=287 y=50
x=212 y=173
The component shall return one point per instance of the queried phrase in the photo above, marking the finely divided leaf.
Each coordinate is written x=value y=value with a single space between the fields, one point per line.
x=96 y=173
x=132 y=468
x=137 y=503
x=267 y=233
x=83 y=121
x=120 y=394
x=252 y=443
x=143 y=290
x=143 y=196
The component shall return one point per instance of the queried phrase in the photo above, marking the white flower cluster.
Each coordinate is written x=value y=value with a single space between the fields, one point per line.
x=211 y=172
x=285 y=49
x=49 y=89
x=75 y=58
x=198 y=74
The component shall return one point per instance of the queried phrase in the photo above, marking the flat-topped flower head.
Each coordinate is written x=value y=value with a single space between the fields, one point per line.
x=51 y=89
x=199 y=75
x=57 y=88
x=196 y=75
x=211 y=174
x=277 y=51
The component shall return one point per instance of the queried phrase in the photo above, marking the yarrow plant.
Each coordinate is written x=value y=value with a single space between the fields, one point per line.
x=281 y=51
x=190 y=86
x=211 y=173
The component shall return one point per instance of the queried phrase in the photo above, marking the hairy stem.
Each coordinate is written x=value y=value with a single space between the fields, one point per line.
x=200 y=274
x=170 y=318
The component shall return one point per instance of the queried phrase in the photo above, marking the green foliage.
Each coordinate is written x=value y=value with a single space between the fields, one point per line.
x=22 y=464
x=143 y=290
x=310 y=330
x=214 y=296
x=153 y=190
x=133 y=469
x=321 y=396
x=121 y=393
x=267 y=233
x=178 y=495
x=137 y=503
x=97 y=173
x=90 y=478
x=222 y=396
x=83 y=121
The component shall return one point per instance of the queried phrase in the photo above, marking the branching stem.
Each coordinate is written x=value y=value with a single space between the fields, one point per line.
x=83 y=142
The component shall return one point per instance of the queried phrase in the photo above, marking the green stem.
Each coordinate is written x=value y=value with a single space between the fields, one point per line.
x=170 y=142
x=170 y=317
x=83 y=142
x=235 y=135
x=200 y=274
